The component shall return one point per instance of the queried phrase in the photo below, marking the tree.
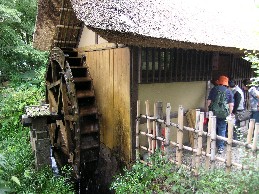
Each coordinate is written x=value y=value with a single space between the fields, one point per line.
x=253 y=56
x=17 y=22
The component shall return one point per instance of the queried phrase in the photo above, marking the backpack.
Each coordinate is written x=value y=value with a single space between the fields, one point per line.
x=219 y=106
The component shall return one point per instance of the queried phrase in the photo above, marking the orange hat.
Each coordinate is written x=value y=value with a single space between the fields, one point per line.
x=223 y=80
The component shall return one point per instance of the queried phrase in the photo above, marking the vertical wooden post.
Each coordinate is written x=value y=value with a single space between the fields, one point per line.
x=254 y=145
x=159 y=115
x=148 y=127
x=154 y=146
x=154 y=137
x=167 y=129
x=255 y=139
x=251 y=128
x=199 y=147
x=179 y=150
x=207 y=163
x=213 y=142
x=137 y=130
x=195 y=135
x=250 y=131
x=229 y=144
x=191 y=123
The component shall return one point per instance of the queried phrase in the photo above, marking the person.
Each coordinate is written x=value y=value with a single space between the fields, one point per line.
x=253 y=98
x=239 y=102
x=221 y=124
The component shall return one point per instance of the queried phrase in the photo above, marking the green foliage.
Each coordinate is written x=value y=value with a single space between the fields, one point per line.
x=3 y=183
x=16 y=97
x=8 y=14
x=43 y=181
x=254 y=59
x=19 y=174
x=165 y=177
x=23 y=67
x=17 y=170
x=17 y=21
x=236 y=182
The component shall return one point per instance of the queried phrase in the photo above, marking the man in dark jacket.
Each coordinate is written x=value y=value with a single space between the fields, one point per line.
x=239 y=102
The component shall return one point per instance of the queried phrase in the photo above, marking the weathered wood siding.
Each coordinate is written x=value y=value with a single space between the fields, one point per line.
x=110 y=70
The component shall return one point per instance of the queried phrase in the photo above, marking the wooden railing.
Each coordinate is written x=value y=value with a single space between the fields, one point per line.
x=156 y=141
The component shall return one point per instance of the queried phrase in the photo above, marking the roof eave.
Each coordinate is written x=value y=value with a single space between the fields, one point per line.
x=147 y=41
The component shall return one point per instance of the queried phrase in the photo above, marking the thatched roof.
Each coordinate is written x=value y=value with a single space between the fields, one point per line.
x=219 y=25
x=47 y=19
x=57 y=25
x=228 y=24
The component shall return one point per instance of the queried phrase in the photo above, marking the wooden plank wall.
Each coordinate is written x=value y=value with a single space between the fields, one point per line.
x=110 y=70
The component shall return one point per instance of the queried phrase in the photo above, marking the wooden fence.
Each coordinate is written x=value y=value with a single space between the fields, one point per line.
x=157 y=141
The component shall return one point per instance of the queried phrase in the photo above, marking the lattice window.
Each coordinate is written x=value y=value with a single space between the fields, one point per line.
x=174 y=65
x=241 y=69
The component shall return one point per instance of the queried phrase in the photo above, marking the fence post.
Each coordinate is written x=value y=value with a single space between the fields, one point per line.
x=255 y=137
x=154 y=137
x=250 y=131
x=229 y=143
x=213 y=142
x=148 y=127
x=159 y=115
x=254 y=145
x=195 y=135
x=199 y=147
x=207 y=163
x=179 y=150
x=137 y=130
x=167 y=129
x=154 y=140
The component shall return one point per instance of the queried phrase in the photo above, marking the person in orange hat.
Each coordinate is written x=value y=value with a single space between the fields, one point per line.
x=221 y=102
x=223 y=80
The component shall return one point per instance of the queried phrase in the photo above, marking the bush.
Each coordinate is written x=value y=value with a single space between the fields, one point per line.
x=17 y=170
x=14 y=98
x=165 y=177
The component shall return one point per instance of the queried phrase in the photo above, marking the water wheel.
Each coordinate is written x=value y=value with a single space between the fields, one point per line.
x=75 y=133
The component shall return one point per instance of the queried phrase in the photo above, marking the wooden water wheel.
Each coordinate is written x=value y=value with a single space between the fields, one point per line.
x=75 y=133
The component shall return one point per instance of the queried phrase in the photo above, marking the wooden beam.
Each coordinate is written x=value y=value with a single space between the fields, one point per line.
x=68 y=27
x=65 y=9
x=68 y=42
x=97 y=47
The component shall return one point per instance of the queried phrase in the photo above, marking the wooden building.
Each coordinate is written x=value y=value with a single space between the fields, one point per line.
x=154 y=50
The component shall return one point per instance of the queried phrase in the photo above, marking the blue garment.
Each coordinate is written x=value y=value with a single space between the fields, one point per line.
x=255 y=115
x=214 y=91
x=253 y=93
x=221 y=131
x=254 y=102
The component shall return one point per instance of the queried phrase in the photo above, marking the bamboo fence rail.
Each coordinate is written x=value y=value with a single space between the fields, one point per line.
x=159 y=141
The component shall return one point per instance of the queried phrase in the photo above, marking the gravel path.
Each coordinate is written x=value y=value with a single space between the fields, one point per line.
x=240 y=155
